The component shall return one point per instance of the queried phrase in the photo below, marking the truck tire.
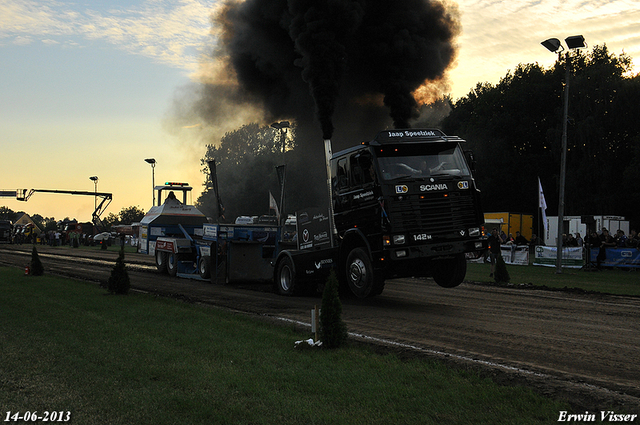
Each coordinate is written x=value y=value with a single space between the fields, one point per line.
x=360 y=274
x=285 y=279
x=161 y=261
x=450 y=272
x=172 y=263
x=204 y=267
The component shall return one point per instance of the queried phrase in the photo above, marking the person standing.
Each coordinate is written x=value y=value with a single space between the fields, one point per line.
x=494 y=241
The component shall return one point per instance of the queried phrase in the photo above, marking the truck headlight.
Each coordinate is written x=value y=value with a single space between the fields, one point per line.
x=398 y=239
x=474 y=232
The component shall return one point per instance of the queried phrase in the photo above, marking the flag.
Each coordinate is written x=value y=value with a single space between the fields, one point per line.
x=542 y=204
x=273 y=205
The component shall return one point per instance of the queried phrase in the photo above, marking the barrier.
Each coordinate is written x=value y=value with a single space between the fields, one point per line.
x=618 y=257
x=515 y=254
x=547 y=255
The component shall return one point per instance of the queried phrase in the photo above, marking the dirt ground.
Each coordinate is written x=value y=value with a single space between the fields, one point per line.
x=583 y=348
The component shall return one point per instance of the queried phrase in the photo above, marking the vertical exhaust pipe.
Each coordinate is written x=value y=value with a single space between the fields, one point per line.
x=327 y=155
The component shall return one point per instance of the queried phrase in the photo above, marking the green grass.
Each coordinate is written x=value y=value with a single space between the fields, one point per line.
x=610 y=281
x=138 y=359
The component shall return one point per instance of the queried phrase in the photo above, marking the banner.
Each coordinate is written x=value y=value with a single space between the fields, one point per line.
x=618 y=257
x=515 y=254
x=547 y=255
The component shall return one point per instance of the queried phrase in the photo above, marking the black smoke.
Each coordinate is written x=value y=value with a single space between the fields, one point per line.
x=338 y=69
x=341 y=59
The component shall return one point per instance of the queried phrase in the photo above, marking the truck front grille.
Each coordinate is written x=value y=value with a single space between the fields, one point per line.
x=434 y=214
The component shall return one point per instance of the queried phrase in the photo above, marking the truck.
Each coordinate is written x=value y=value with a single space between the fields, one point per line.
x=6 y=228
x=404 y=204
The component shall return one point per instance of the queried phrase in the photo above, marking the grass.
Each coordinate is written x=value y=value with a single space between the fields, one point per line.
x=138 y=359
x=609 y=281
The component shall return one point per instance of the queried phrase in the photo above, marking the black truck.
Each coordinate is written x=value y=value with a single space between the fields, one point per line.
x=404 y=204
x=6 y=228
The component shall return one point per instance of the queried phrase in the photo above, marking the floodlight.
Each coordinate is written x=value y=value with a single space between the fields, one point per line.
x=553 y=45
x=575 y=42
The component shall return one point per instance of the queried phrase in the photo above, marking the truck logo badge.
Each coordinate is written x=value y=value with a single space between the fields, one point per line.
x=305 y=235
x=462 y=232
x=463 y=185
x=430 y=187
x=402 y=188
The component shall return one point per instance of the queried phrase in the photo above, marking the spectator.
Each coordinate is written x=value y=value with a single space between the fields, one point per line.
x=570 y=241
x=503 y=237
x=510 y=239
x=579 y=240
x=621 y=239
x=494 y=249
x=521 y=240
x=606 y=241
x=633 y=241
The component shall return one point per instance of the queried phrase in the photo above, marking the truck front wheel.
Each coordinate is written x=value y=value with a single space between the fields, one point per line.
x=161 y=261
x=360 y=276
x=450 y=272
x=285 y=278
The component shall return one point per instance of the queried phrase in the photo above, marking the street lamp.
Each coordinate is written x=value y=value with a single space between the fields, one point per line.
x=554 y=45
x=152 y=161
x=95 y=197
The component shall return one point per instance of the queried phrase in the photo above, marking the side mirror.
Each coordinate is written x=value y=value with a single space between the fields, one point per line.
x=471 y=161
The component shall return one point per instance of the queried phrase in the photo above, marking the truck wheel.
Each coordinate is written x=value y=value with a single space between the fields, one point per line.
x=450 y=273
x=359 y=272
x=285 y=278
x=172 y=264
x=204 y=267
x=161 y=261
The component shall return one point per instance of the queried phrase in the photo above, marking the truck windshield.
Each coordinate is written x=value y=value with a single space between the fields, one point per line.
x=421 y=161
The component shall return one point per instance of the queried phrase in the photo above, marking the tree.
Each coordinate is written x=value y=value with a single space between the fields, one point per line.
x=119 y=279
x=130 y=215
x=515 y=130
x=246 y=161
x=7 y=213
x=333 y=331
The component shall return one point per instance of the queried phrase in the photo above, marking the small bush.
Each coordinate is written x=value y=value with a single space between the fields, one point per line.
x=36 y=265
x=333 y=331
x=502 y=274
x=119 y=279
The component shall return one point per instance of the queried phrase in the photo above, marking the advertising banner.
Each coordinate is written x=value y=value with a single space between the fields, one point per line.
x=618 y=257
x=515 y=254
x=546 y=256
x=314 y=228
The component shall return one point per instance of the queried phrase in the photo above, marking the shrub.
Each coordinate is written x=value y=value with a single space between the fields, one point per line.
x=119 y=279
x=501 y=274
x=36 y=265
x=333 y=331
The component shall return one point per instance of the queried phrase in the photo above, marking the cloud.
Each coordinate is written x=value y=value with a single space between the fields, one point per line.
x=170 y=32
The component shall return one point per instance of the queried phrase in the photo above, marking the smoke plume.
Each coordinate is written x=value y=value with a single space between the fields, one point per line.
x=338 y=69
x=343 y=63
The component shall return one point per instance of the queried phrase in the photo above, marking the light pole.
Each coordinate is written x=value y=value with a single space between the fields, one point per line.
x=554 y=45
x=95 y=197
x=152 y=161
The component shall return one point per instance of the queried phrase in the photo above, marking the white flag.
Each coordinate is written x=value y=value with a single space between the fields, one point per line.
x=273 y=205
x=542 y=204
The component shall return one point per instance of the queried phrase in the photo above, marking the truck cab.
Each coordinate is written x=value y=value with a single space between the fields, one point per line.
x=405 y=204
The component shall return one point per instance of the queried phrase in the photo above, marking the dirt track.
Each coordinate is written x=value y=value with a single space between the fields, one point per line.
x=581 y=347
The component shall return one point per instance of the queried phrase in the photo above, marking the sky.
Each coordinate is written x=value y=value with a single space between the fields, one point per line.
x=87 y=87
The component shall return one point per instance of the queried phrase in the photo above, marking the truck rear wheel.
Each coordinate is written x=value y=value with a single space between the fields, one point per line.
x=285 y=277
x=172 y=264
x=204 y=267
x=450 y=272
x=360 y=274
x=161 y=261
